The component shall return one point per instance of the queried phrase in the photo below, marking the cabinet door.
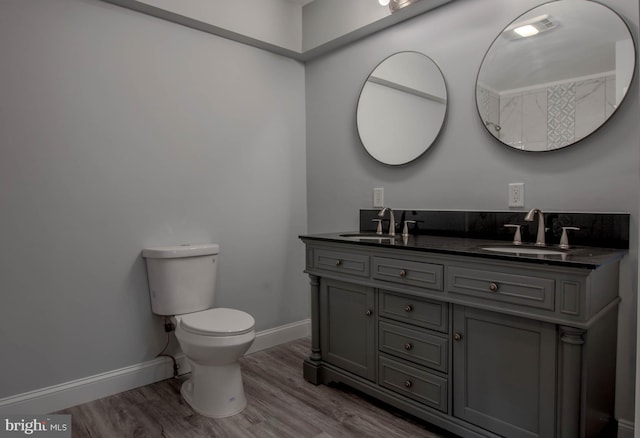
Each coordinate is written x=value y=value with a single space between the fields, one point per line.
x=348 y=327
x=504 y=373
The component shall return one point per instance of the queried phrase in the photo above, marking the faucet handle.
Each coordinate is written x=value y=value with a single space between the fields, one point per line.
x=405 y=229
x=379 y=227
x=517 y=238
x=564 y=240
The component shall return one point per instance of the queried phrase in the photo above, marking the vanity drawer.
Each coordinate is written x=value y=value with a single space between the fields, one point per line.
x=412 y=382
x=344 y=262
x=416 y=345
x=425 y=275
x=513 y=288
x=421 y=312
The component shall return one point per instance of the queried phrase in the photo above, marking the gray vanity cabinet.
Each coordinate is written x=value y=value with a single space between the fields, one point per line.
x=504 y=368
x=348 y=329
x=479 y=346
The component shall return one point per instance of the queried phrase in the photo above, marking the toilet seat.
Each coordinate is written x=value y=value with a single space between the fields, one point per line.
x=217 y=322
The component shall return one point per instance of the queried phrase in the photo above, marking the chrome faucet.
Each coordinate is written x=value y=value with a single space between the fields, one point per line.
x=540 y=241
x=392 y=220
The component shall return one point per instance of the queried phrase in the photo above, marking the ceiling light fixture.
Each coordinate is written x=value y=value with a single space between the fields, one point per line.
x=395 y=5
x=530 y=27
x=383 y=2
x=526 y=30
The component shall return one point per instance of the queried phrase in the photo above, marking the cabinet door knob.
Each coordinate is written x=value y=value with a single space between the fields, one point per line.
x=402 y=273
x=408 y=308
x=493 y=287
x=338 y=262
x=457 y=336
x=408 y=346
x=408 y=383
x=368 y=312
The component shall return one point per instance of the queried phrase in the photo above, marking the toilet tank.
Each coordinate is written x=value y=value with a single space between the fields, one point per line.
x=182 y=279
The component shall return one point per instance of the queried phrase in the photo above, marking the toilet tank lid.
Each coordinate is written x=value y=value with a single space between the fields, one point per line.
x=177 y=251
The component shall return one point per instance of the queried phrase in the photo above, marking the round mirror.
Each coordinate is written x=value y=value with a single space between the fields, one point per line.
x=402 y=107
x=555 y=75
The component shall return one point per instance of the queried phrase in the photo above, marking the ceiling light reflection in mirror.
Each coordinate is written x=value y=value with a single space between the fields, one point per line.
x=402 y=107
x=556 y=84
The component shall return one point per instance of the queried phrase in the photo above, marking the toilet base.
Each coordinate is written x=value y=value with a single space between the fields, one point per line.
x=215 y=391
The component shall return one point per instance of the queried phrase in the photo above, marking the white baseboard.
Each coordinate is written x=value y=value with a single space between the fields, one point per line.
x=625 y=429
x=62 y=396
x=281 y=335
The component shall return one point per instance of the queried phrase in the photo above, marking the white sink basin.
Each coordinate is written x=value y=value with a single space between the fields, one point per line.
x=525 y=250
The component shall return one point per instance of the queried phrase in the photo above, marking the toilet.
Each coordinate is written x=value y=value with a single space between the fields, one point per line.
x=182 y=282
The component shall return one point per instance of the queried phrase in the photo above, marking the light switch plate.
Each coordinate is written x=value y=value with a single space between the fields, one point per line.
x=516 y=195
x=378 y=197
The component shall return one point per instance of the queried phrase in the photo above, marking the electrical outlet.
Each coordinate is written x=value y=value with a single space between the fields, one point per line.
x=378 y=197
x=516 y=195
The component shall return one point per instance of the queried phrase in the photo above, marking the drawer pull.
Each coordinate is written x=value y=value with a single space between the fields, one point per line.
x=408 y=383
x=368 y=312
x=338 y=262
x=457 y=337
x=402 y=273
x=493 y=287
x=408 y=346
x=408 y=308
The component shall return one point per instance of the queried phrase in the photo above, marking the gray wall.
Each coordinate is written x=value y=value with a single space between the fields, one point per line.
x=120 y=131
x=467 y=168
x=325 y=20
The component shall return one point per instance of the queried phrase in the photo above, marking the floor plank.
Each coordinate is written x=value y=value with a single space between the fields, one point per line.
x=281 y=404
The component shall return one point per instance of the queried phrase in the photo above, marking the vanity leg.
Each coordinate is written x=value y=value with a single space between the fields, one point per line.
x=570 y=382
x=311 y=366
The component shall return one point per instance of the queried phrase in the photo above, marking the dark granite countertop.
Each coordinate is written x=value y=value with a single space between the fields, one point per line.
x=576 y=257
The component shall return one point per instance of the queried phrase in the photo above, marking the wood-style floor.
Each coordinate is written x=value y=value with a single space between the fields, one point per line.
x=281 y=404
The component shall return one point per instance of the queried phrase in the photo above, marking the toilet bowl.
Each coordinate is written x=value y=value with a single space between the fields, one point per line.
x=213 y=340
x=182 y=286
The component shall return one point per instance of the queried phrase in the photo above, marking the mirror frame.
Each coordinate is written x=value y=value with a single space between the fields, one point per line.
x=494 y=128
x=431 y=137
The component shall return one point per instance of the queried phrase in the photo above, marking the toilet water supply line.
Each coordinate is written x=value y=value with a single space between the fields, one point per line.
x=168 y=328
